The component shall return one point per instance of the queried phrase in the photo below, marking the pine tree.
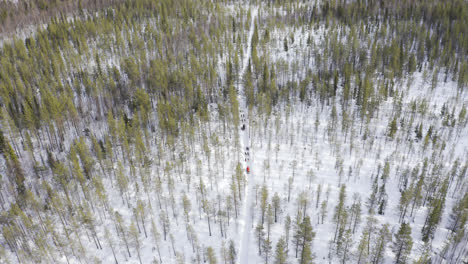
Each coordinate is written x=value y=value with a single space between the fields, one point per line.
x=281 y=252
x=210 y=254
x=297 y=232
x=269 y=221
x=276 y=205
x=362 y=247
x=323 y=210
x=156 y=238
x=123 y=231
x=232 y=254
x=207 y=208
x=165 y=223
x=382 y=199
x=306 y=235
x=405 y=200
x=306 y=256
x=290 y=185
x=14 y=167
x=365 y=243
x=319 y=192
x=287 y=228
x=419 y=131
x=403 y=243
x=435 y=213
x=135 y=239
x=425 y=255
x=122 y=182
x=260 y=237
x=263 y=204
x=186 y=205
x=372 y=200
x=386 y=172
x=342 y=231
x=339 y=210
x=355 y=218
x=267 y=250
x=459 y=214
x=380 y=244
x=392 y=128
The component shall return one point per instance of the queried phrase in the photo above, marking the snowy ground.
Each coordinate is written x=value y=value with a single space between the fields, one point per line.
x=296 y=141
x=289 y=146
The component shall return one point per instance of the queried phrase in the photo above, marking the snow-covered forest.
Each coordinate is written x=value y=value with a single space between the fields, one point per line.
x=204 y=131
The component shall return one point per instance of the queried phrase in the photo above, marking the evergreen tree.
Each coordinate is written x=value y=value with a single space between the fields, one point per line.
x=276 y=205
x=267 y=250
x=281 y=252
x=306 y=255
x=435 y=213
x=287 y=228
x=459 y=214
x=211 y=255
x=263 y=203
x=380 y=244
x=392 y=128
x=306 y=235
x=405 y=200
x=135 y=239
x=403 y=243
x=323 y=210
x=346 y=245
x=232 y=254
x=339 y=210
x=260 y=237
x=362 y=252
x=355 y=217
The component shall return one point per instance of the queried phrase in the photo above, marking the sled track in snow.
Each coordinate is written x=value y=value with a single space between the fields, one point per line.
x=246 y=222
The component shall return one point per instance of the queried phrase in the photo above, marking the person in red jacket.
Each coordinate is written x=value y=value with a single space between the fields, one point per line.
x=248 y=169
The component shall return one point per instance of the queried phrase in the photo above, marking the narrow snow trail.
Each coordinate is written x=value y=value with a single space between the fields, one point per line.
x=246 y=222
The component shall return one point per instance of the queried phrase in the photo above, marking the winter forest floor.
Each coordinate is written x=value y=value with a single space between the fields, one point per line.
x=328 y=181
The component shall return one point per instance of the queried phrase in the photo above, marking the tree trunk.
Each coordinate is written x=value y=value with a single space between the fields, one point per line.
x=209 y=225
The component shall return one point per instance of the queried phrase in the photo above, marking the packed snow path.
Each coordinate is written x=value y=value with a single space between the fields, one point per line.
x=246 y=222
